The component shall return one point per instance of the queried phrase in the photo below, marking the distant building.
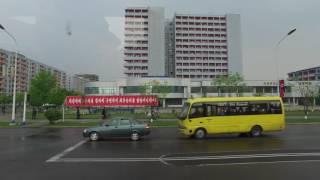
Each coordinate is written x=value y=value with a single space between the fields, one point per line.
x=169 y=49
x=182 y=89
x=310 y=74
x=90 y=77
x=76 y=83
x=207 y=46
x=144 y=53
x=27 y=69
x=190 y=46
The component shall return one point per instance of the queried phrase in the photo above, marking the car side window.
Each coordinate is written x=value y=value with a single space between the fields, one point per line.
x=114 y=122
x=125 y=122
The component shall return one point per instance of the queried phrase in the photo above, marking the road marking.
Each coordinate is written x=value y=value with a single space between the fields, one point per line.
x=163 y=161
x=108 y=160
x=245 y=156
x=65 y=152
x=254 y=163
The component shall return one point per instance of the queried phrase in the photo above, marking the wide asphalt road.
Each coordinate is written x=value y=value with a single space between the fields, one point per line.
x=39 y=153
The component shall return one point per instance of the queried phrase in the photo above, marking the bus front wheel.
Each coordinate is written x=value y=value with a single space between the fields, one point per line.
x=256 y=131
x=200 y=133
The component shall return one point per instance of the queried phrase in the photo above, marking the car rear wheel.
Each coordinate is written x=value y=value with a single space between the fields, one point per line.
x=200 y=133
x=135 y=136
x=94 y=136
x=256 y=131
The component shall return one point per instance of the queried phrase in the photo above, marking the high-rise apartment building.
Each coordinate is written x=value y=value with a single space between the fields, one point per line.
x=144 y=53
x=169 y=48
x=207 y=46
x=197 y=46
x=27 y=69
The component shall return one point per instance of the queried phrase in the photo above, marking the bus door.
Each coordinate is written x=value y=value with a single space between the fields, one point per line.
x=197 y=115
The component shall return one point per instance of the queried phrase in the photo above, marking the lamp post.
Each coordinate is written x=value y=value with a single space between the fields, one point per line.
x=13 y=117
x=276 y=58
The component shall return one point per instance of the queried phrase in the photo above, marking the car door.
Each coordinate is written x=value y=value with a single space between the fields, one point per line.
x=109 y=129
x=124 y=128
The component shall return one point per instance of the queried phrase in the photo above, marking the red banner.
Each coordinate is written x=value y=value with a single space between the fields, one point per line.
x=281 y=88
x=105 y=101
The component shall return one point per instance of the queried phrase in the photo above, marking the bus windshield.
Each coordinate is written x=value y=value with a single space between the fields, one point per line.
x=184 y=112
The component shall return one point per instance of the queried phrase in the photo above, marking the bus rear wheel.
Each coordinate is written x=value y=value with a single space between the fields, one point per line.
x=200 y=133
x=256 y=131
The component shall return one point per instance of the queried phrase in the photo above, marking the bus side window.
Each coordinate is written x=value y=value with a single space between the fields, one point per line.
x=211 y=109
x=197 y=111
x=275 y=108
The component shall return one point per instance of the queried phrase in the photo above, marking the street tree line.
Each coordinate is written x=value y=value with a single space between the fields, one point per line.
x=44 y=92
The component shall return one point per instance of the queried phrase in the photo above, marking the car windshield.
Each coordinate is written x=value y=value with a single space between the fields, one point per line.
x=184 y=111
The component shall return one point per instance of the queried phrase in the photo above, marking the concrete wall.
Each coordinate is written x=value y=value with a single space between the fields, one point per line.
x=234 y=43
x=156 y=64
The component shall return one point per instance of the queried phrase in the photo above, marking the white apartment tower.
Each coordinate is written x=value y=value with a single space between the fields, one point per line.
x=144 y=46
x=207 y=46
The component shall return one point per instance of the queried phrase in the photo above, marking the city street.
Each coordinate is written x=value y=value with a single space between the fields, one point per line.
x=40 y=153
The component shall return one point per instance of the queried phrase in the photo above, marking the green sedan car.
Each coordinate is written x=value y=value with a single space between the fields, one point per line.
x=119 y=127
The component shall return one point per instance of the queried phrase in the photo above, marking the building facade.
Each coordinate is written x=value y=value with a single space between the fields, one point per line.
x=77 y=82
x=90 y=77
x=207 y=46
x=144 y=53
x=180 y=89
x=310 y=74
x=170 y=49
x=27 y=69
x=195 y=46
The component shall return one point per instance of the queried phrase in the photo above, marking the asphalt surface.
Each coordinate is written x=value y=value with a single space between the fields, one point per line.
x=43 y=153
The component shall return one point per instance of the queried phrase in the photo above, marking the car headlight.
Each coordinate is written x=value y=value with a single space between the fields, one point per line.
x=85 y=130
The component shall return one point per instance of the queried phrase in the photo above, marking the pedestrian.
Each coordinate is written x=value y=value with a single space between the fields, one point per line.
x=34 y=113
x=104 y=113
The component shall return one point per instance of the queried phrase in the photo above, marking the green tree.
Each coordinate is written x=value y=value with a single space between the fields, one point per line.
x=308 y=94
x=40 y=89
x=4 y=100
x=57 y=96
x=231 y=83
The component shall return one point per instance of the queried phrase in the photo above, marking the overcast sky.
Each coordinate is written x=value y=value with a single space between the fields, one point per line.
x=94 y=46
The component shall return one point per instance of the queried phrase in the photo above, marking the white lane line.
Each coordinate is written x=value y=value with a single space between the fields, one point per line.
x=161 y=159
x=65 y=152
x=238 y=156
x=108 y=160
x=257 y=163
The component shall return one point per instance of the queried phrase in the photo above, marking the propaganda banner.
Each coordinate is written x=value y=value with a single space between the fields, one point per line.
x=281 y=88
x=109 y=101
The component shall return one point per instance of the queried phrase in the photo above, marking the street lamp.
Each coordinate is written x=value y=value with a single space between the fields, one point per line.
x=276 y=57
x=13 y=117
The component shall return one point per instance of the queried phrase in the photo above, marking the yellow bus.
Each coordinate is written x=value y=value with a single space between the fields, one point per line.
x=244 y=115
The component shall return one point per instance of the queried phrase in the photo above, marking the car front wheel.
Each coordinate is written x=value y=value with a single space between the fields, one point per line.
x=94 y=136
x=135 y=136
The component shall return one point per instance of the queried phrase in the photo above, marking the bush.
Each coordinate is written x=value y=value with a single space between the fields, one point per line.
x=53 y=115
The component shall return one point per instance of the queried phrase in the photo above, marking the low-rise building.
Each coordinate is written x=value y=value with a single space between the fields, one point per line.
x=179 y=89
x=309 y=74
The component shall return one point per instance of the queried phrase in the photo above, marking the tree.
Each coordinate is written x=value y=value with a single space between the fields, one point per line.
x=4 y=100
x=308 y=93
x=232 y=83
x=40 y=89
x=57 y=96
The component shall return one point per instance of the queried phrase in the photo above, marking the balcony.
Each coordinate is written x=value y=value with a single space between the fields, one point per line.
x=135 y=71
x=135 y=64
